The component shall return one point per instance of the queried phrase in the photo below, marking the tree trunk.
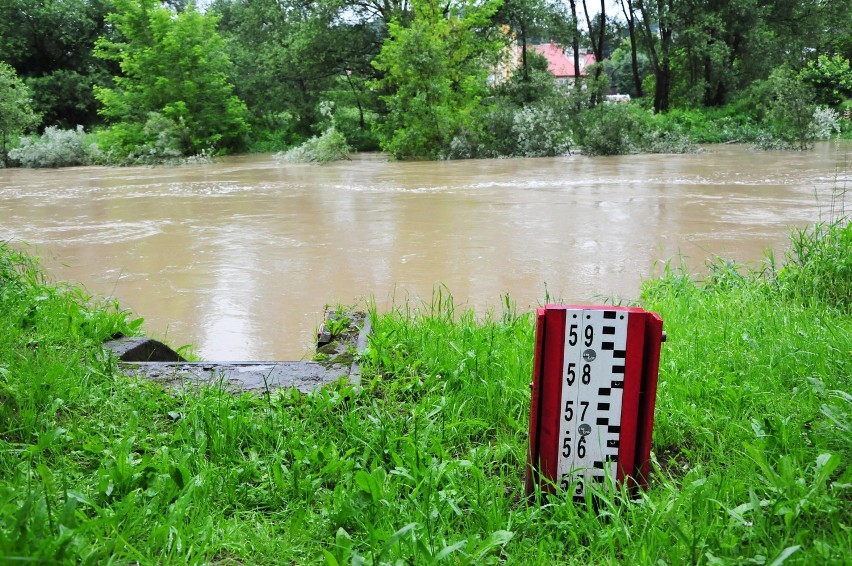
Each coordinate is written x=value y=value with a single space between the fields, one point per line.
x=664 y=75
x=524 y=63
x=629 y=15
x=597 y=44
x=575 y=43
x=660 y=60
x=361 y=123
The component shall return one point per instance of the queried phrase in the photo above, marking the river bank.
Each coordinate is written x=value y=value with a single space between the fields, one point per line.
x=426 y=462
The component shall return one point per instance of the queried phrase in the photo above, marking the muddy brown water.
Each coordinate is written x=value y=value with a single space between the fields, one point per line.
x=239 y=257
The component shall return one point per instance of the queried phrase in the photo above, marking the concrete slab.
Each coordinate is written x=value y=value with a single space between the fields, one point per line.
x=339 y=344
x=257 y=377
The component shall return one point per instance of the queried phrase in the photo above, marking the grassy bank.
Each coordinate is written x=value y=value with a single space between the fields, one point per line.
x=752 y=441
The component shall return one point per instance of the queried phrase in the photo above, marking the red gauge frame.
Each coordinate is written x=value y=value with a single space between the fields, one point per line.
x=641 y=367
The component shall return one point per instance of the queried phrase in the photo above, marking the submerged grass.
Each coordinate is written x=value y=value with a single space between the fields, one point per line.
x=425 y=464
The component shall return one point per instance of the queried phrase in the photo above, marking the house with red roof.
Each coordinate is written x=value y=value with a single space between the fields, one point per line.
x=560 y=62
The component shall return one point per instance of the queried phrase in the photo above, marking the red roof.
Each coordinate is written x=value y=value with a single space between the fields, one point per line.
x=560 y=64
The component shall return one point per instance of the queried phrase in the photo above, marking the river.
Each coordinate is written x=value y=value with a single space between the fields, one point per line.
x=239 y=257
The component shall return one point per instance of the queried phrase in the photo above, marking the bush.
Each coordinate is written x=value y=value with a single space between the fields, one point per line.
x=16 y=113
x=537 y=86
x=159 y=141
x=658 y=141
x=845 y=111
x=826 y=122
x=615 y=129
x=710 y=125
x=822 y=124
x=330 y=146
x=271 y=132
x=794 y=120
x=467 y=145
x=540 y=132
x=619 y=129
x=347 y=120
x=55 y=148
x=508 y=129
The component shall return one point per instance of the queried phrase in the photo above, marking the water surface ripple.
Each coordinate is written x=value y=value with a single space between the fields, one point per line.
x=239 y=257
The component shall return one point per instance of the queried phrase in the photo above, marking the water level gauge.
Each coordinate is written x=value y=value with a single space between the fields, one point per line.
x=594 y=386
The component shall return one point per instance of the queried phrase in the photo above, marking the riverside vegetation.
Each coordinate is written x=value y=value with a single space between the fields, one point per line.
x=157 y=82
x=425 y=463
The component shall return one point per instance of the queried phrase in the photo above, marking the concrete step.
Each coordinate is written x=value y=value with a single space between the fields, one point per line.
x=342 y=337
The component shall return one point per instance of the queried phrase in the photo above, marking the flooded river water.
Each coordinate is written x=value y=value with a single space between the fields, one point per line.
x=239 y=257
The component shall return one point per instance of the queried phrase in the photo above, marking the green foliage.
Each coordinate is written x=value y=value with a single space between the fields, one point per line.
x=50 y=338
x=355 y=111
x=288 y=56
x=16 y=113
x=173 y=64
x=619 y=68
x=65 y=97
x=615 y=129
x=795 y=121
x=658 y=141
x=44 y=313
x=595 y=86
x=156 y=141
x=540 y=132
x=845 y=112
x=356 y=126
x=497 y=138
x=830 y=78
x=435 y=71
x=731 y=123
x=826 y=123
x=410 y=77
x=536 y=130
x=530 y=117
x=530 y=85
x=757 y=373
x=328 y=147
x=50 y=44
x=271 y=132
x=56 y=148
x=819 y=266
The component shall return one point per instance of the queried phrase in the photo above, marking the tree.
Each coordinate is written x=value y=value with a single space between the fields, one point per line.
x=622 y=71
x=801 y=28
x=16 y=113
x=50 y=44
x=526 y=19
x=172 y=64
x=630 y=18
x=659 y=14
x=383 y=11
x=791 y=110
x=715 y=44
x=830 y=78
x=435 y=76
x=290 y=55
x=575 y=42
x=597 y=35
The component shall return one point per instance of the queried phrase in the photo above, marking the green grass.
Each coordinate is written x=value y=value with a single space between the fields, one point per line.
x=728 y=124
x=425 y=464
